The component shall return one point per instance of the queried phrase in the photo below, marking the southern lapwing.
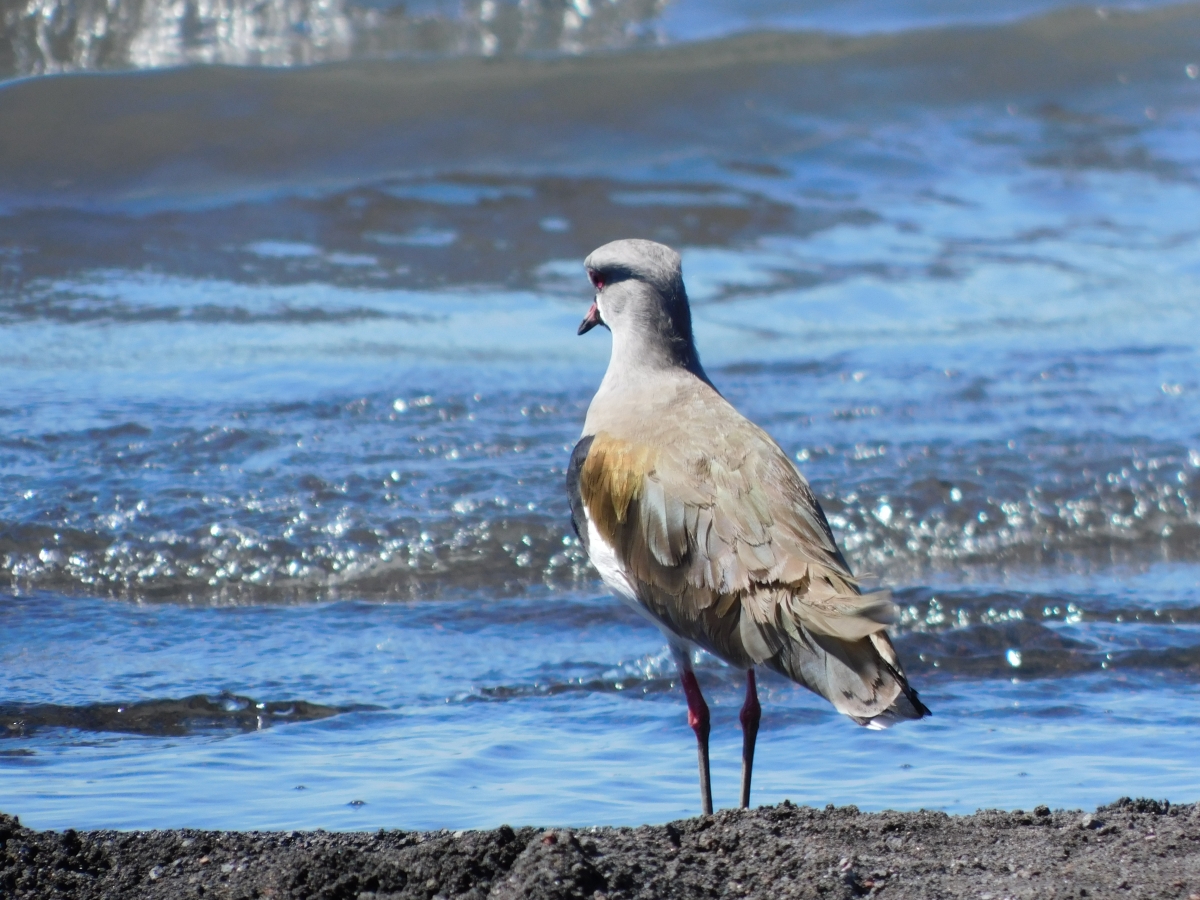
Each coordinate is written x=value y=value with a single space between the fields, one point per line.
x=694 y=516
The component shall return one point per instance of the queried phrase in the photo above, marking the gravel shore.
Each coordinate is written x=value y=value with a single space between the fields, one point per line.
x=1129 y=849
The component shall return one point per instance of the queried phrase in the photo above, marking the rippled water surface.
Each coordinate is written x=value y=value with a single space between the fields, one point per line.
x=290 y=380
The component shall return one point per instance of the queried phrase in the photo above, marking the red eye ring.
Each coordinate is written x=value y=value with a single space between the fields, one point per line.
x=596 y=278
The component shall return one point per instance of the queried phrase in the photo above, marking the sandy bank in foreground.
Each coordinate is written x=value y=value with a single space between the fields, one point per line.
x=1130 y=849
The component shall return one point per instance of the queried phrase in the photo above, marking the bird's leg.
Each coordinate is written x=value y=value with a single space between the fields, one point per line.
x=698 y=719
x=750 y=715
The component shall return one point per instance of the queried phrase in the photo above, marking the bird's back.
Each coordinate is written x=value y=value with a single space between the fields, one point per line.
x=695 y=513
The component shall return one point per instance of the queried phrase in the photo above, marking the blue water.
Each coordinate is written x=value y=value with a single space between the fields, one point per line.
x=285 y=415
x=559 y=709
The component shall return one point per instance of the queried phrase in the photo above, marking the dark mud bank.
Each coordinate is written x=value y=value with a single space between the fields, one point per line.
x=1132 y=848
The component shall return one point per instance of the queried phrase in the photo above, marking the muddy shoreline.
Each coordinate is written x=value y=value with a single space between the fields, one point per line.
x=1129 y=849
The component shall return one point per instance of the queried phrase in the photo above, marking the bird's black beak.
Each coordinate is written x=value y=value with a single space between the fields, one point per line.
x=591 y=320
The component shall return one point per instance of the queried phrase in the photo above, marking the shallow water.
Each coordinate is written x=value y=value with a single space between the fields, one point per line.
x=291 y=380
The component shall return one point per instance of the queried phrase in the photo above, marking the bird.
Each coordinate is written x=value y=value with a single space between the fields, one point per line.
x=695 y=517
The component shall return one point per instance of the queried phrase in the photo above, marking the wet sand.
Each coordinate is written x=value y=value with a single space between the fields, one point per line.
x=1129 y=849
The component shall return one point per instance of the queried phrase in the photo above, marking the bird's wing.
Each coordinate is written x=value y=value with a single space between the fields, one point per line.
x=574 y=469
x=729 y=533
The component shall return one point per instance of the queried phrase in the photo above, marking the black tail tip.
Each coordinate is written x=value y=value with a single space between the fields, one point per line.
x=919 y=708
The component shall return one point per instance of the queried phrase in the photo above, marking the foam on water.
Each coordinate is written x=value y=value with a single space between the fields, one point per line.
x=47 y=36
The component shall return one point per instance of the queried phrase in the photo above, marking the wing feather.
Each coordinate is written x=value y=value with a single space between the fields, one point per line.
x=653 y=509
x=732 y=551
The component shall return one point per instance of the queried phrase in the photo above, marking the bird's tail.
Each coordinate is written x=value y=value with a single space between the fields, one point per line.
x=862 y=678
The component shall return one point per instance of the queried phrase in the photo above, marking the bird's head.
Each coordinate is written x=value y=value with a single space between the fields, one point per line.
x=640 y=298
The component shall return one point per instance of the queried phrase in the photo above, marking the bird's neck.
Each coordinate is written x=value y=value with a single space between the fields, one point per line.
x=642 y=378
x=652 y=349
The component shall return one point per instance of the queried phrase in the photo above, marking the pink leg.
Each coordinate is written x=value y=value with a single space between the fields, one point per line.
x=750 y=715
x=698 y=719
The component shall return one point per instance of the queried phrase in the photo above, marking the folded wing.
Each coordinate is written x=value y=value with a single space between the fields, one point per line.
x=729 y=549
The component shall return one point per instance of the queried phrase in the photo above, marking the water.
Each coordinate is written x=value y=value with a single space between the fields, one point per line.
x=290 y=380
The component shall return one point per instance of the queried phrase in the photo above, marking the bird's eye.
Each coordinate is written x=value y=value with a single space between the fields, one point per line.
x=597 y=280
